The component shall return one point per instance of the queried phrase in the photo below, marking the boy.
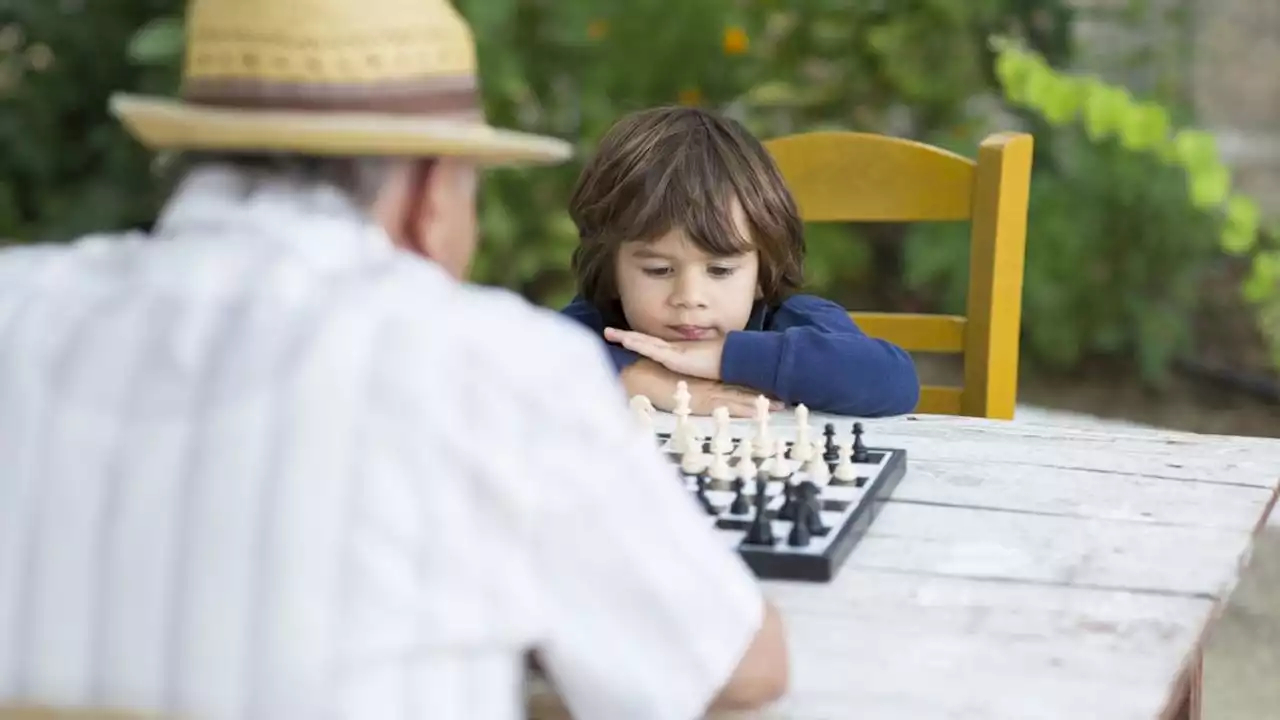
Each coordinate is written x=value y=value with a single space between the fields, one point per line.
x=690 y=258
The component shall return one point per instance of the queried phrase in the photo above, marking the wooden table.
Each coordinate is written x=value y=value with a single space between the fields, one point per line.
x=1027 y=571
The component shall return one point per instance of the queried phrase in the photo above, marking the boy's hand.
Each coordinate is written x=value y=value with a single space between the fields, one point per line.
x=695 y=358
x=648 y=378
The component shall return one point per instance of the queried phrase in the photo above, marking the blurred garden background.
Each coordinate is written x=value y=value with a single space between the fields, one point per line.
x=1153 y=257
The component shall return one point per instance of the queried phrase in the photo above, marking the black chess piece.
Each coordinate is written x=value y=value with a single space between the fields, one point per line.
x=859 y=449
x=761 y=530
x=814 y=502
x=809 y=497
x=788 y=509
x=701 y=494
x=832 y=453
x=799 y=535
x=739 y=505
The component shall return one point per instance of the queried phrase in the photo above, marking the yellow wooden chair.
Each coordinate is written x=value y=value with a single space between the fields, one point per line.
x=847 y=177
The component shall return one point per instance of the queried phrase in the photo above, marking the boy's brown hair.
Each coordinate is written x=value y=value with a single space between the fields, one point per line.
x=680 y=167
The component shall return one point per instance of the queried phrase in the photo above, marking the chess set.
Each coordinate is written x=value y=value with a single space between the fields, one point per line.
x=791 y=504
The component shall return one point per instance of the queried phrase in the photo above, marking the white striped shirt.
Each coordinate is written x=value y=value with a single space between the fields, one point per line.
x=263 y=465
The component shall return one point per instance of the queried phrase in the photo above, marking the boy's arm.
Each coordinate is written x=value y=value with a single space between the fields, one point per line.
x=585 y=313
x=815 y=354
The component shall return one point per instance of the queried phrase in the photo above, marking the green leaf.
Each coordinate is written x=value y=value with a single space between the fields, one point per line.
x=1264 y=277
x=1240 y=231
x=1210 y=185
x=1146 y=127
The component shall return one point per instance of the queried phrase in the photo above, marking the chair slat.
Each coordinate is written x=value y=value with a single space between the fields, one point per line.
x=939 y=400
x=915 y=332
x=848 y=176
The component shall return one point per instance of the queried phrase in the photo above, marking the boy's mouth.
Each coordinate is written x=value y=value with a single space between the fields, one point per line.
x=692 y=332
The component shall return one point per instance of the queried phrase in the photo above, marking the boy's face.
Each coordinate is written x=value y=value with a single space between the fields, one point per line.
x=671 y=289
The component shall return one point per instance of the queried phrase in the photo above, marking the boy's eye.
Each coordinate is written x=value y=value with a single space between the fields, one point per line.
x=656 y=271
x=720 y=271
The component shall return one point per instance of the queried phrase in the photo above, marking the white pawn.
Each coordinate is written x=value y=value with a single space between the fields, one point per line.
x=780 y=466
x=719 y=470
x=721 y=438
x=845 y=471
x=817 y=471
x=693 y=462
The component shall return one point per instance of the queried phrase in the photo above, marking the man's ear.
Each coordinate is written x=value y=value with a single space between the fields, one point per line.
x=418 y=206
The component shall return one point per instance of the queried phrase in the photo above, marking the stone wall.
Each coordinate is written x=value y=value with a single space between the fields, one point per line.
x=1224 y=58
x=1236 y=84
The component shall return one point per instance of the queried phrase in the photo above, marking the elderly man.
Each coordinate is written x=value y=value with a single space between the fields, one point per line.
x=277 y=460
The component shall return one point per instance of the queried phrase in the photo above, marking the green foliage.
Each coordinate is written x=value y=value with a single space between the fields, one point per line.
x=1145 y=134
x=1112 y=268
x=67 y=168
x=1111 y=209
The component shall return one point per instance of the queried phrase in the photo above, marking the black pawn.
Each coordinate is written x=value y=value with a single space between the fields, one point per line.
x=701 y=495
x=739 y=505
x=761 y=530
x=859 y=449
x=799 y=535
x=832 y=453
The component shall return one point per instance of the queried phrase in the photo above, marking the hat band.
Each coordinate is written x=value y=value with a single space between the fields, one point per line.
x=452 y=97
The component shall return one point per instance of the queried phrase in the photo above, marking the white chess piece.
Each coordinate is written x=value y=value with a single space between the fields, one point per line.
x=682 y=399
x=642 y=410
x=845 y=471
x=780 y=466
x=693 y=461
x=804 y=441
x=817 y=470
x=719 y=469
x=802 y=448
x=722 y=437
x=763 y=443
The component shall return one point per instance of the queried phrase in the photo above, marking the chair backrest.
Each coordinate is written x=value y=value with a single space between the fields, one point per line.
x=841 y=176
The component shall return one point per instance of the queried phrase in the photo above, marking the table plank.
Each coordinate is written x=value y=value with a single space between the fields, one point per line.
x=1128 y=497
x=935 y=647
x=1052 y=550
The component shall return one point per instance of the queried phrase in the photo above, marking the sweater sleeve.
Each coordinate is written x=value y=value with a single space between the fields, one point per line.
x=585 y=313
x=813 y=353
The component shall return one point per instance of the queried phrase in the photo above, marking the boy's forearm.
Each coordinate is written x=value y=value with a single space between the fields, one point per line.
x=846 y=374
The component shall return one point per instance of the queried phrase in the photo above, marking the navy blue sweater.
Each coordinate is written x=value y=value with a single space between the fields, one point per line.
x=806 y=350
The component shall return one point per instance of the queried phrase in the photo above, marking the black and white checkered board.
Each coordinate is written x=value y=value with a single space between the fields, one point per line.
x=847 y=511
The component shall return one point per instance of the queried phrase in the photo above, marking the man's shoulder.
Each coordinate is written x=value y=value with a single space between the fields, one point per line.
x=502 y=331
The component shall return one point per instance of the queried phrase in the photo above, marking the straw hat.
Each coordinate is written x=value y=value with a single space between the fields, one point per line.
x=330 y=77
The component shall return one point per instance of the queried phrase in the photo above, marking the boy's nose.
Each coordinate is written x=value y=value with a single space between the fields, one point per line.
x=689 y=295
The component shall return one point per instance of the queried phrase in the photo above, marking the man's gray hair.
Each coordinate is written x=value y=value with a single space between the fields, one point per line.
x=360 y=179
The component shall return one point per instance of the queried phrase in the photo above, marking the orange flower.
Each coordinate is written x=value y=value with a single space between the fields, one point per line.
x=690 y=96
x=735 y=41
x=597 y=29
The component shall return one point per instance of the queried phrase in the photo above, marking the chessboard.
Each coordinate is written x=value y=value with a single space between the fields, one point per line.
x=793 y=505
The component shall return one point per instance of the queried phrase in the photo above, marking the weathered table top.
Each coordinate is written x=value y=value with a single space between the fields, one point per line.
x=1026 y=571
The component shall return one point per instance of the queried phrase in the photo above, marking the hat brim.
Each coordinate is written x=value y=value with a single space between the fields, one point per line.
x=168 y=124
